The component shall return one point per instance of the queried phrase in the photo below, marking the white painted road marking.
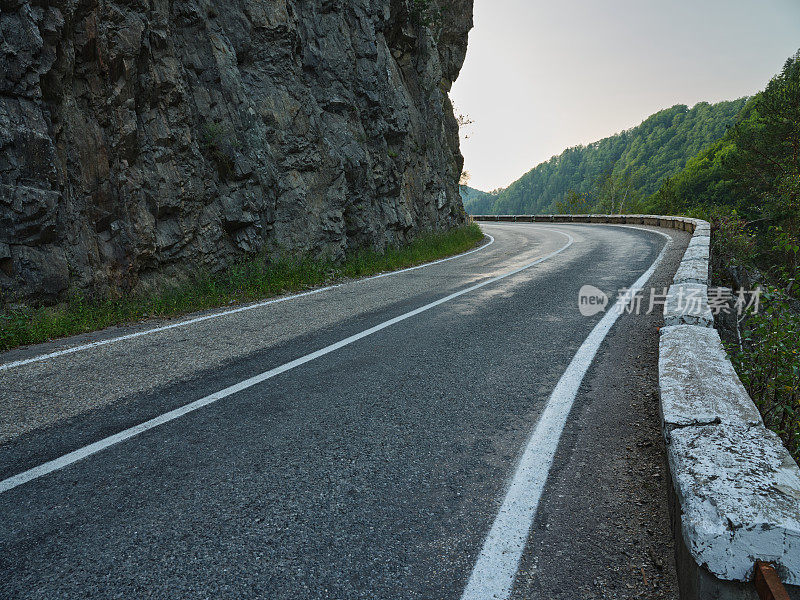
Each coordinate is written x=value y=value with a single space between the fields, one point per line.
x=493 y=576
x=130 y=336
x=81 y=453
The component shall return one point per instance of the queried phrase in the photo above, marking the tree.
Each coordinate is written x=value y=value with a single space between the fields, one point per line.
x=574 y=203
x=464 y=121
x=613 y=190
x=753 y=171
x=767 y=163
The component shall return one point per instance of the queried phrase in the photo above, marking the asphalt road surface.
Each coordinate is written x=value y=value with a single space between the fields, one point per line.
x=358 y=442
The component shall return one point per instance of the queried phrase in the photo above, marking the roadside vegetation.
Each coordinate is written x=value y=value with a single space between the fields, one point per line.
x=768 y=363
x=748 y=186
x=250 y=280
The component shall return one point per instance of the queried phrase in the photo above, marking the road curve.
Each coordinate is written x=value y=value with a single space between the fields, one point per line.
x=374 y=469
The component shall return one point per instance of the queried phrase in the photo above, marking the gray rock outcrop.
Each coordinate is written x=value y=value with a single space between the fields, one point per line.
x=140 y=139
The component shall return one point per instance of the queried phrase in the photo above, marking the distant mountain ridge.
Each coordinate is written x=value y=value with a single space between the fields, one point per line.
x=641 y=158
x=753 y=168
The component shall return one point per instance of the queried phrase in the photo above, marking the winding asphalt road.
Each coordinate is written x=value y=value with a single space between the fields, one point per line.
x=363 y=446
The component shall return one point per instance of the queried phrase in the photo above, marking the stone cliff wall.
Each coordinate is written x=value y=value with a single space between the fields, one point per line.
x=144 y=138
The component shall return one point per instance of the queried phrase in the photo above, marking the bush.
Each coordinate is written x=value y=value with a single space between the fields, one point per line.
x=768 y=363
x=217 y=148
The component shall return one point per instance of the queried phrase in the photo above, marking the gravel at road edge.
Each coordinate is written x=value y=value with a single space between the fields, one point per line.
x=603 y=526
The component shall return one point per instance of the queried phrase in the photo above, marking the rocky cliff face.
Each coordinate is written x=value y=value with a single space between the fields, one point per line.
x=143 y=138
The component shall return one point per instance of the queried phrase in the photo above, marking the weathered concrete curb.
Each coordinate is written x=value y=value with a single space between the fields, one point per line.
x=739 y=493
x=693 y=271
x=736 y=490
x=687 y=304
x=698 y=383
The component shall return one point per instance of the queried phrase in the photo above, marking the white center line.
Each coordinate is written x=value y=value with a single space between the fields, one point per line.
x=81 y=453
x=492 y=577
x=233 y=311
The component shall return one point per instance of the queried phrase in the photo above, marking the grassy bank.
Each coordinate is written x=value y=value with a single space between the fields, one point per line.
x=247 y=281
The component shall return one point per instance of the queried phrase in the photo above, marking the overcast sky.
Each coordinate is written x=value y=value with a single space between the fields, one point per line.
x=543 y=75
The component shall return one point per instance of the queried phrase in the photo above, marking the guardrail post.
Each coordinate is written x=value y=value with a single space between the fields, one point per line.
x=768 y=584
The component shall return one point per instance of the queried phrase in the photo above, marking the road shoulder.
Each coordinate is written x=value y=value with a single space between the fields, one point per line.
x=603 y=526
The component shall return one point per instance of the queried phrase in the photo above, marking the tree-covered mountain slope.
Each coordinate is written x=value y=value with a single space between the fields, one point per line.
x=618 y=171
x=477 y=199
x=754 y=168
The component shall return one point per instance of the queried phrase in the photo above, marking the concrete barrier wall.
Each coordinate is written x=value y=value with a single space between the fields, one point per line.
x=735 y=487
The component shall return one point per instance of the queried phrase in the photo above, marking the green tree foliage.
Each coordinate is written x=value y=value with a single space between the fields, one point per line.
x=754 y=172
x=637 y=160
x=574 y=203
x=767 y=164
x=480 y=202
x=615 y=193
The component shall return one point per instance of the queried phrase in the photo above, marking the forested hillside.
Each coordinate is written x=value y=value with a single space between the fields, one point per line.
x=754 y=168
x=748 y=182
x=478 y=200
x=613 y=174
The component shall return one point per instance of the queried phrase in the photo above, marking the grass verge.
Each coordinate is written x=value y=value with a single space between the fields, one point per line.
x=247 y=281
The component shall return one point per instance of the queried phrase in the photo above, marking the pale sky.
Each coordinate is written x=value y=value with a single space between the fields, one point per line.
x=544 y=75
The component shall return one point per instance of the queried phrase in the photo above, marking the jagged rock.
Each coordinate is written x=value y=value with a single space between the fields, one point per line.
x=143 y=138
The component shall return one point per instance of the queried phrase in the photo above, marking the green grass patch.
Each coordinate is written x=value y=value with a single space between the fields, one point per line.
x=247 y=281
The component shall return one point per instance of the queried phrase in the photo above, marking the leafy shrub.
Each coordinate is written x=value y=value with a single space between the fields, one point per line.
x=768 y=364
x=574 y=203
x=734 y=246
x=215 y=145
x=786 y=247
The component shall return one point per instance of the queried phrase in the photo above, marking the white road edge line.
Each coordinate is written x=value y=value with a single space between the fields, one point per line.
x=494 y=572
x=130 y=336
x=81 y=453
